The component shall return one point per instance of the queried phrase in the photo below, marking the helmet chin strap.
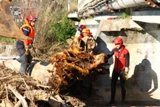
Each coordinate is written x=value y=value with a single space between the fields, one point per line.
x=120 y=47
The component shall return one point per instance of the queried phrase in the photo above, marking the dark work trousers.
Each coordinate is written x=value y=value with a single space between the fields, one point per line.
x=25 y=60
x=115 y=76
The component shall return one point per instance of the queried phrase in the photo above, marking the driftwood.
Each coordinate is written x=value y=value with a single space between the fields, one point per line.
x=18 y=95
x=15 y=85
x=18 y=104
x=6 y=103
x=75 y=64
x=56 y=101
x=37 y=95
x=26 y=91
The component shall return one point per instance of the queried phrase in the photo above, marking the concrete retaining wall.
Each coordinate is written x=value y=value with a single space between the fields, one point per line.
x=144 y=82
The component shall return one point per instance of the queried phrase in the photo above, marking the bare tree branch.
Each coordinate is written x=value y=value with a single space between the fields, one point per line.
x=18 y=95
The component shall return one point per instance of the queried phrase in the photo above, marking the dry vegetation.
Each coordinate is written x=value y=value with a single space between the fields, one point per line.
x=47 y=12
x=73 y=6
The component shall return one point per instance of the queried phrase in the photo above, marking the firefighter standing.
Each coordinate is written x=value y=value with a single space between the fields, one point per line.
x=23 y=46
x=88 y=39
x=121 y=68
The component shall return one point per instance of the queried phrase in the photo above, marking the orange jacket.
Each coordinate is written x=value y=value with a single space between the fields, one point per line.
x=31 y=34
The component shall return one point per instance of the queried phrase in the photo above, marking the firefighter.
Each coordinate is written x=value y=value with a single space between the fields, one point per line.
x=23 y=46
x=86 y=32
x=121 y=68
x=88 y=39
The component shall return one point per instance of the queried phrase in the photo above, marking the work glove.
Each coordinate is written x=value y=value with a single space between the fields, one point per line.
x=30 y=46
x=27 y=50
x=126 y=70
x=124 y=73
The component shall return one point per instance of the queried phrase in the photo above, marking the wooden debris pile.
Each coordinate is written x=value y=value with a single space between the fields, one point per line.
x=75 y=64
x=19 y=90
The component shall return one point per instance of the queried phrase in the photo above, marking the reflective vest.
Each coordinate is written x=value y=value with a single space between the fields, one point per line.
x=31 y=34
x=120 y=59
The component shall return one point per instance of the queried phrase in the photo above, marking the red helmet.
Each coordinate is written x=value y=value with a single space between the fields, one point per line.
x=118 y=41
x=31 y=18
x=81 y=27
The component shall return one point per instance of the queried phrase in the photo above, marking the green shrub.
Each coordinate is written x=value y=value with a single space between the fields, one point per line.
x=64 y=29
x=7 y=40
x=126 y=14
